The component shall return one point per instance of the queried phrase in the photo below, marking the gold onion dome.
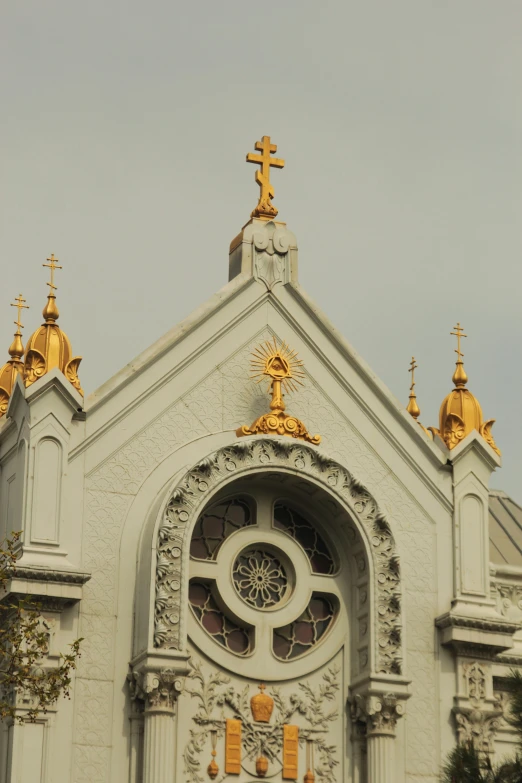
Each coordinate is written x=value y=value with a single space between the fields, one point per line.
x=460 y=412
x=49 y=347
x=14 y=366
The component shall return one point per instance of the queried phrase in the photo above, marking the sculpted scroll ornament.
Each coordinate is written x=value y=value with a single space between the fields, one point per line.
x=377 y=714
x=157 y=691
x=262 y=738
x=478 y=722
x=271 y=246
x=261 y=454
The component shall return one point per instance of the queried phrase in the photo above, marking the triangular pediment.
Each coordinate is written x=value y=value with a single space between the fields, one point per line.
x=196 y=381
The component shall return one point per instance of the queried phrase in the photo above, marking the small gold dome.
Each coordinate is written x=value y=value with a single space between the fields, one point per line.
x=49 y=346
x=8 y=375
x=15 y=365
x=460 y=412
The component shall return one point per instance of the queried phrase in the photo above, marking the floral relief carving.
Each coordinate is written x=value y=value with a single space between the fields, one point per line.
x=478 y=720
x=262 y=735
x=191 y=493
x=378 y=714
x=509 y=600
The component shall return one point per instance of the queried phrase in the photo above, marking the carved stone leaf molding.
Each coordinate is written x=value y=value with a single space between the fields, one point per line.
x=378 y=714
x=156 y=691
x=309 y=701
x=479 y=721
x=271 y=246
x=272 y=453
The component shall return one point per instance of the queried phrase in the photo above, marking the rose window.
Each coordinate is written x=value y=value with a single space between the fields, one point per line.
x=262 y=579
x=259 y=578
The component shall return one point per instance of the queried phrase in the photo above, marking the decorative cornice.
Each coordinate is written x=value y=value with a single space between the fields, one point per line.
x=260 y=454
x=477 y=623
x=36 y=574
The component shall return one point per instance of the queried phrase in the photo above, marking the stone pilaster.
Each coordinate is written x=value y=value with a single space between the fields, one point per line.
x=378 y=715
x=158 y=692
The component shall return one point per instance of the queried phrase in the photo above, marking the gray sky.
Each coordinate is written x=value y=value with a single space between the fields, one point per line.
x=124 y=129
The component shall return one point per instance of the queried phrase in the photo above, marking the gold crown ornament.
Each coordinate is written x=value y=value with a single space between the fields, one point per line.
x=262 y=705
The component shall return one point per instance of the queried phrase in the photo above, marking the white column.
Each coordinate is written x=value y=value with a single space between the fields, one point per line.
x=381 y=758
x=379 y=715
x=160 y=692
x=158 y=765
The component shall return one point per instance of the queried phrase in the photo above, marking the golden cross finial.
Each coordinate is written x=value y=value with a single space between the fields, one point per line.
x=412 y=407
x=413 y=367
x=19 y=303
x=52 y=265
x=265 y=208
x=459 y=332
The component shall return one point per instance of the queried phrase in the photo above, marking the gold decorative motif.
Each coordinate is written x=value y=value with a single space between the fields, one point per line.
x=213 y=769
x=262 y=705
x=265 y=208
x=460 y=412
x=49 y=346
x=233 y=746
x=261 y=766
x=14 y=366
x=317 y=705
x=290 y=751
x=281 y=365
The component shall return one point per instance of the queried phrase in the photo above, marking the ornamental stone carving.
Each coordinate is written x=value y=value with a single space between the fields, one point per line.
x=257 y=454
x=477 y=716
x=156 y=691
x=271 y=245
x=377 y=715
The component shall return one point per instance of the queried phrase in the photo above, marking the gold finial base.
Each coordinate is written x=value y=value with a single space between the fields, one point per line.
x=279 y=423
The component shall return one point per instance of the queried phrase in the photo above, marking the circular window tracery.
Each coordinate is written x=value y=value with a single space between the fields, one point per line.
x=268 y=576
x=260 y=578
x=217 y=523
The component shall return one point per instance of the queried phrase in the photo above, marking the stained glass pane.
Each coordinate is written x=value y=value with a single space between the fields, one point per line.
x=297 y=638
x=218 y=522
x=221 y=628
x=294 y=524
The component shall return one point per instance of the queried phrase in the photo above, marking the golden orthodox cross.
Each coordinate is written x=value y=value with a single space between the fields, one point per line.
x=265 y=208
x=459 y=332
x=52 y=265
x=19 y=303
x=413 y=367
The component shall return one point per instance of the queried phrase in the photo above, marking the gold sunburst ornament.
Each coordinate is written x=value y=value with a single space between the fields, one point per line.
x=280 y=365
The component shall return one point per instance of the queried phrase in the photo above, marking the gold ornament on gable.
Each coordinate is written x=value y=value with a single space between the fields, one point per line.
x=278 y=364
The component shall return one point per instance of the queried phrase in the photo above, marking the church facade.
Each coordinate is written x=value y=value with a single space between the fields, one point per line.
x=276 y=570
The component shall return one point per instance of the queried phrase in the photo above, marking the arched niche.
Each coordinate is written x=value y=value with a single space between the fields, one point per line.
x=363 y=526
